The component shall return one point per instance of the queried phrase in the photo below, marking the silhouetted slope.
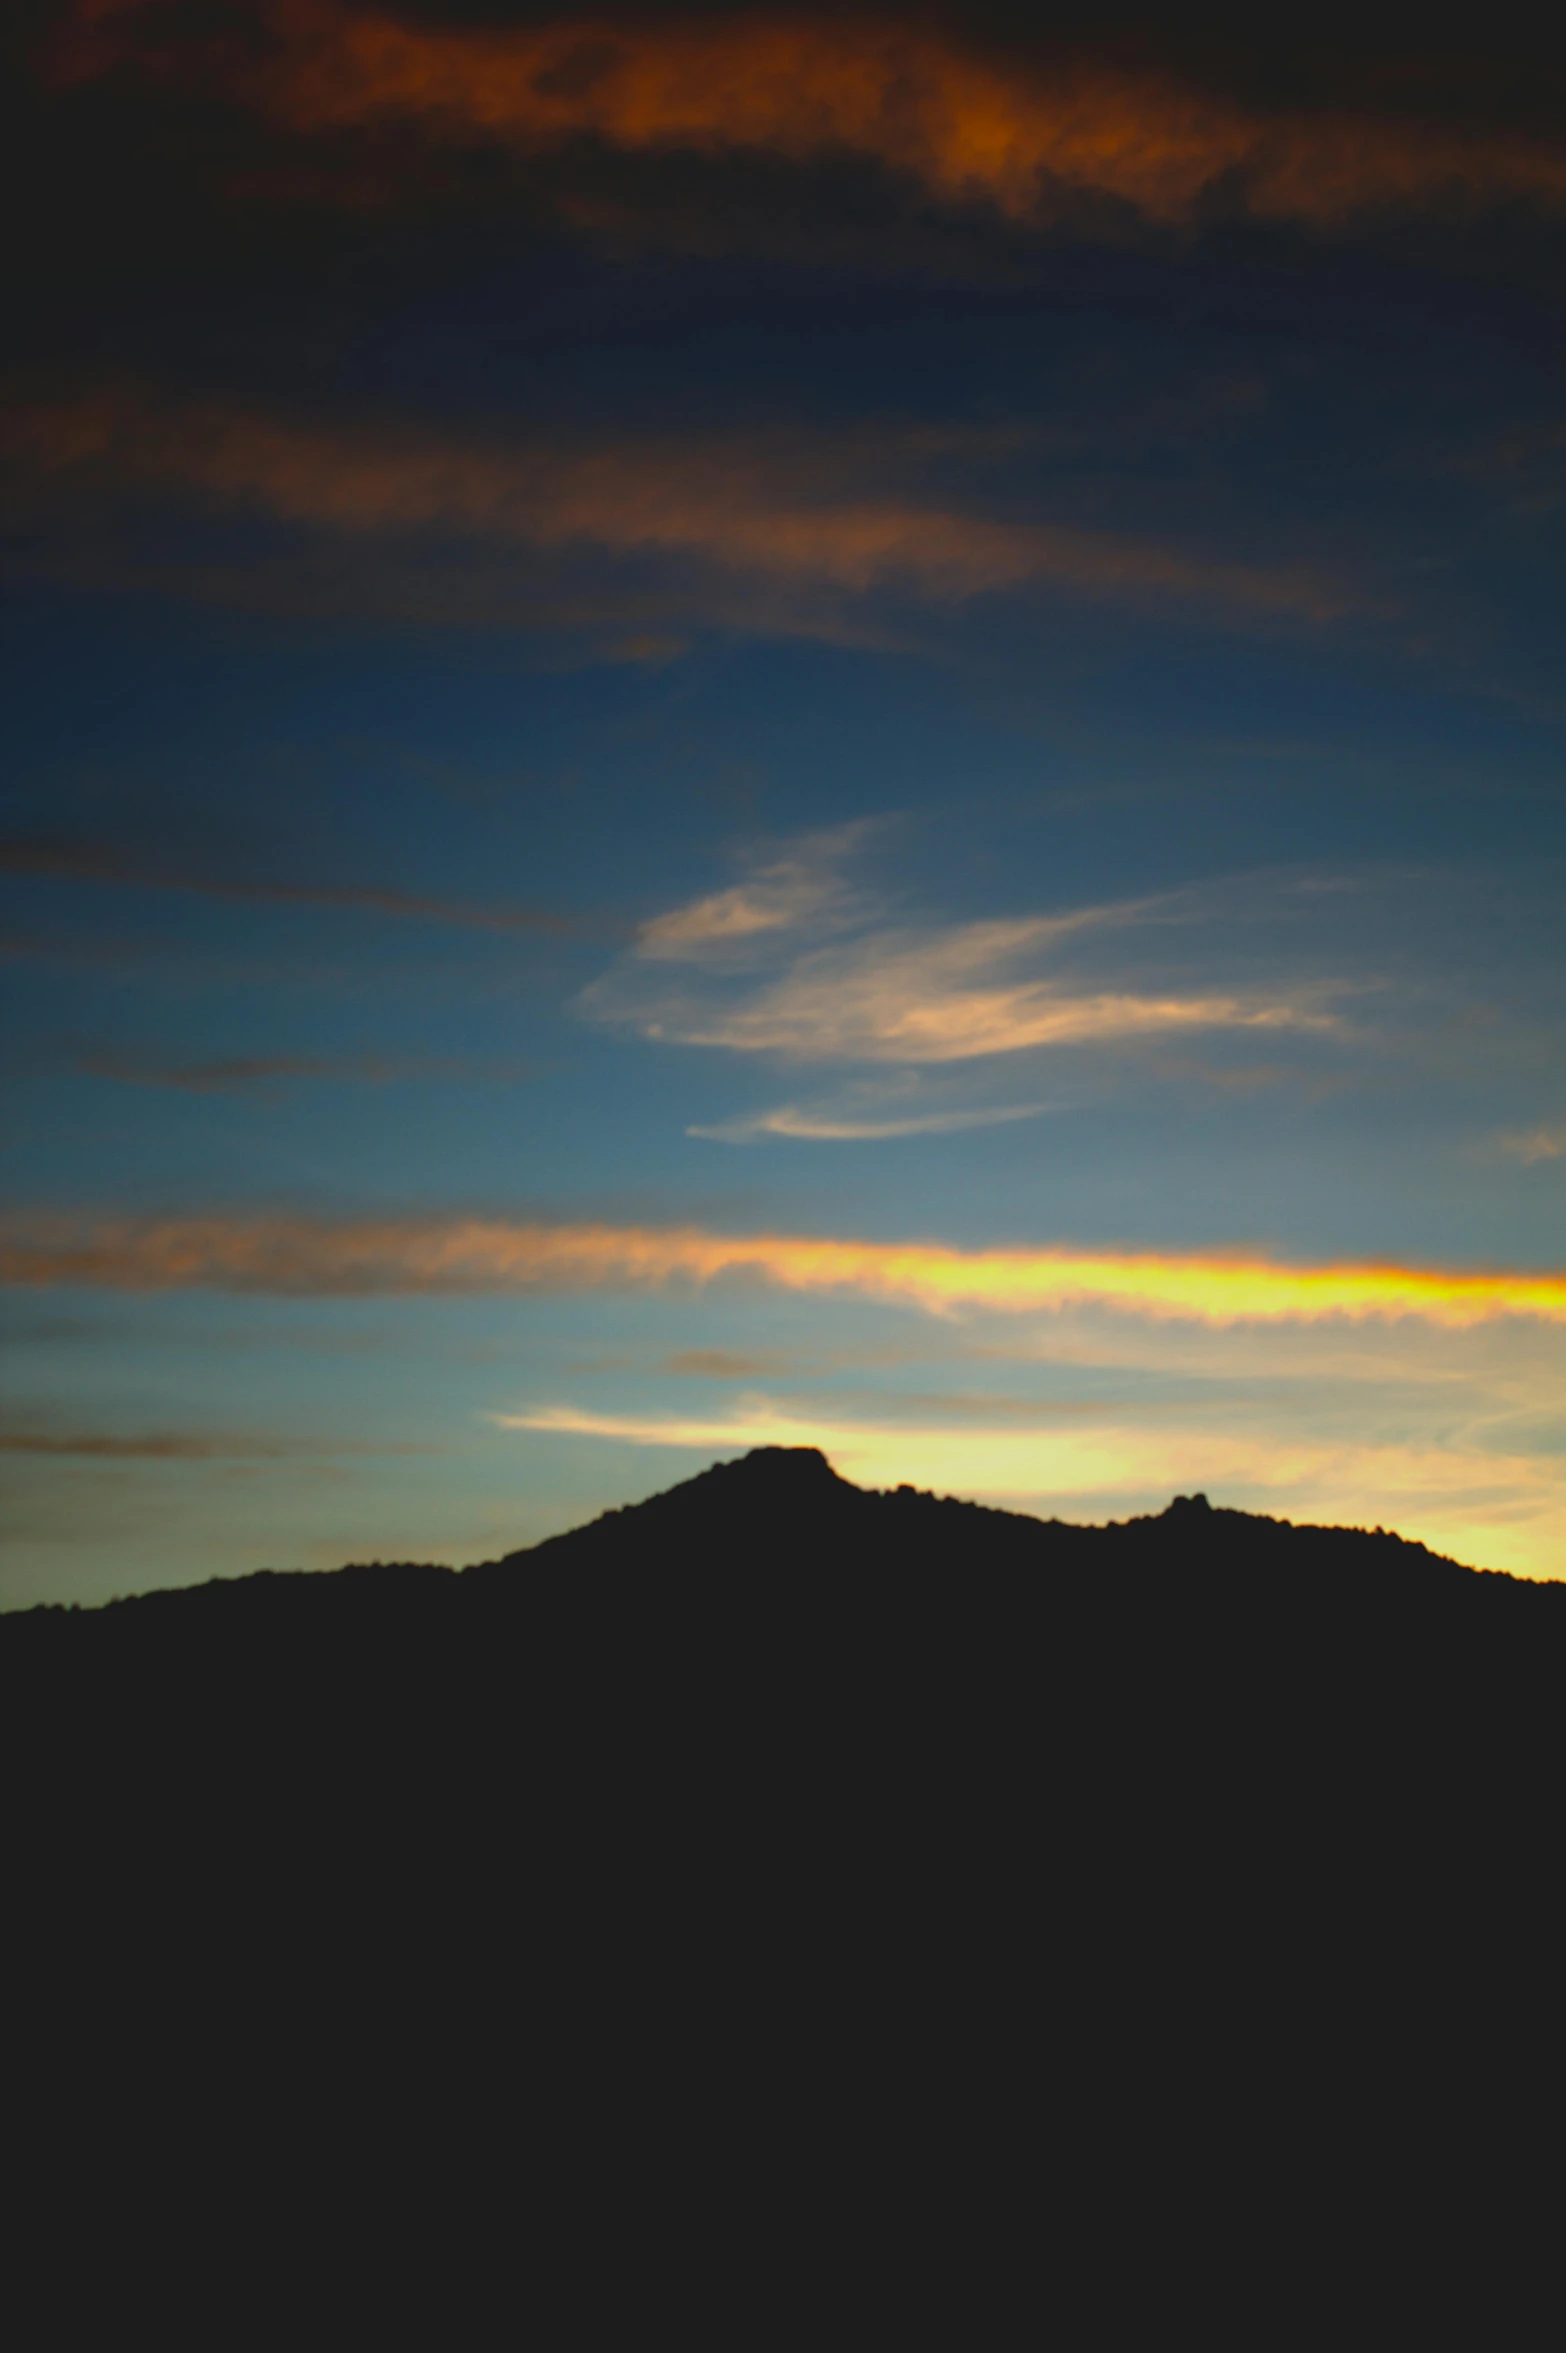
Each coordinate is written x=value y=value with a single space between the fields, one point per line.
x=773 y=1831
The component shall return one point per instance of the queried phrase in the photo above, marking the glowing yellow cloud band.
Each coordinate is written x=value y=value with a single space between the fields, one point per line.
x=307 y=1257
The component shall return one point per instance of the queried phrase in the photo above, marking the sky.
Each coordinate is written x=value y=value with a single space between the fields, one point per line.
x=758 y=725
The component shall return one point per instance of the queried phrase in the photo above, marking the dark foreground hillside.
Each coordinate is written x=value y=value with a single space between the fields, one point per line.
x=767 y=1638
x=784 y=1511
x=717 y=1874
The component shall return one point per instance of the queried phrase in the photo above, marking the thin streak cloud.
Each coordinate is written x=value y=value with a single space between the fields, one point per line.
x=788 y=514
x=85 y=861
x=826 y=1123
x=233 y=1073
x=306 y=1257
x=185 y=1446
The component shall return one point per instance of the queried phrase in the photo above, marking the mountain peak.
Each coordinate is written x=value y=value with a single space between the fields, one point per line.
x=792 y=1475
x=806 y=1462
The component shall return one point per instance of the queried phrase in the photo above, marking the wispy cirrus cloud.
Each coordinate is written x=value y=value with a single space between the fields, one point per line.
x=798 y=892
x=907 y=994
x=295 y=1255
x=947 y=997
x=1019 y=128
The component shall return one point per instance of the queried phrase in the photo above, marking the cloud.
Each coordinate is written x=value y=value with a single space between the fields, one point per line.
x=853 y=1121
x=792 y=514
x=1535 y=1144
x=946 y=997
x=185 y=1446
x=716 y=1364
x=88 y=861
x=457 y=1256
x=1024 y=131
x=957 y=993
x=225 y=1075
x=798 y=892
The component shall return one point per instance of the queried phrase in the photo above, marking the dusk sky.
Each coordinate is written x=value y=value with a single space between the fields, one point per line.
x=825 y=726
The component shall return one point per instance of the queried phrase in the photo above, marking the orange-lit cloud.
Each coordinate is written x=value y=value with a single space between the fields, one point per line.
x=476 y=1255
x=961 y=121
x=778 y=510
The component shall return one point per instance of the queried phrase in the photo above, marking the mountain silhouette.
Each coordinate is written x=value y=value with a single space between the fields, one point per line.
x=784 y=1510
x=769 y=1586
x=740 y=1864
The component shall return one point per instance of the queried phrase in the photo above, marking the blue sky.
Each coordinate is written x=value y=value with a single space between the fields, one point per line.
x=582 y=688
